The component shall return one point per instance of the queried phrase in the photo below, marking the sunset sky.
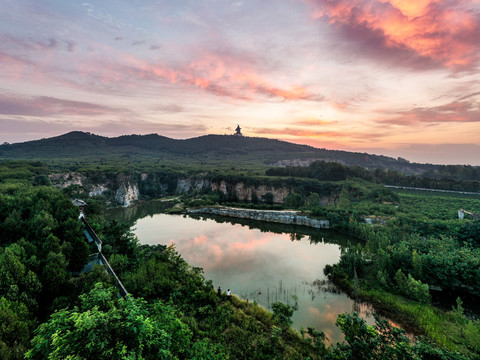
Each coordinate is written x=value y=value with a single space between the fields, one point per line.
x=392 y=77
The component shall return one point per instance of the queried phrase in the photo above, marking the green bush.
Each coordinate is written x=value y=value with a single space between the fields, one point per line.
x=411 y=288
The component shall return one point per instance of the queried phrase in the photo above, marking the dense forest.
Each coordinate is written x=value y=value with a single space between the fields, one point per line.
x=446 y=177
x=80 y=150
x=51 y=309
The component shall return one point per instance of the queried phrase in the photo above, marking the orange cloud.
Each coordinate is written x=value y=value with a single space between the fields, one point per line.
x=298 y=132
x=202 y=239
x=221 y=75
x=250 y=244
x=313 y=121
x=432 y=29
x=410 y=8
x=224 y=74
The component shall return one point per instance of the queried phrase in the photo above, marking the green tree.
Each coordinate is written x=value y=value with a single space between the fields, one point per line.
x=17 y=283
x=15 y=325
x=382 y=341
x=343 y=199
x=43 y=224
x=268 y=198
x=412 y=288
x=12 y=226
x=282 y=313
x=106 y=327
x=293 y=200
x=313 y=200
x=54 y=275
x=118 y=239
x=41 y=180
x=254 y=197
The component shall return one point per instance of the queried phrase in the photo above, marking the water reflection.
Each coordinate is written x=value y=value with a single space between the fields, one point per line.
x=259 y=264
x=137 y=211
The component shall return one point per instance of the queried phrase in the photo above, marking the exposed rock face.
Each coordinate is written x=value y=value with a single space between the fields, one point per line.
x=240 y=189
x=187 y=184
x=283 y=217
x=126 y=193
x=294 y=162
x=98 y=190
x=279 y=193
x=124 y=189
x=245 y=193
x=221 y=186
x=66 y=180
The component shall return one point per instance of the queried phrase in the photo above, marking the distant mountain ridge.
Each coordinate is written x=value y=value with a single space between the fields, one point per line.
x=77 y=144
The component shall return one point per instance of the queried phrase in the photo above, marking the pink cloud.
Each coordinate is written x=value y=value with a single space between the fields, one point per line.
x=218 y=74
x=250 y=244
x=233 y=77
x=441 y=31
x=222 y=71
x=202 y=239
x=299 y=132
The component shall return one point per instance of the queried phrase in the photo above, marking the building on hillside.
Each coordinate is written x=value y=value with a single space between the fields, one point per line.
x=474 y=216
x=79 y=203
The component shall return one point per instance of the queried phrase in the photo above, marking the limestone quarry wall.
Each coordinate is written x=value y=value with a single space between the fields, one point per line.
x=283 y=217
x=126 y=189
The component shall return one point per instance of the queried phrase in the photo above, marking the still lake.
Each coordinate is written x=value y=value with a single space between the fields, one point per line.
x=258 y=261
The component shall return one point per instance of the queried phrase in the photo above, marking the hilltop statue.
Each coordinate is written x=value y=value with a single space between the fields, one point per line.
x=238 y=131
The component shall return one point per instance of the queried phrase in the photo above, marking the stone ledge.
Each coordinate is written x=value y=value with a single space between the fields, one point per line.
x=283 y=217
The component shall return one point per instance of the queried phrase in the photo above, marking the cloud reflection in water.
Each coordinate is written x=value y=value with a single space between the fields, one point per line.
x=259 y=266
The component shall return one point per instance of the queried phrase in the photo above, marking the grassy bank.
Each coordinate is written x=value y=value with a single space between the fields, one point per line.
x=448 y=329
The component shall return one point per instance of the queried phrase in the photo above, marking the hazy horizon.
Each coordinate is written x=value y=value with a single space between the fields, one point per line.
x=390 y=77
x=385 y=153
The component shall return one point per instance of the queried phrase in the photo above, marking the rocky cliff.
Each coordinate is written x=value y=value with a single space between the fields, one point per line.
x=126 y=193
x=119 y=188
x=126 y=189
x=245 y=192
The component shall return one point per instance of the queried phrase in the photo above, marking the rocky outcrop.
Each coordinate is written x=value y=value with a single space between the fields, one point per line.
x=283 y=217
x=125 y=189
x=245 y=192
x=66 y=180
x=294 y=162
x=126 y=194
x=185 y=185
x=279 y=193
x=98 y=190
x=240 y=190
x=220 y=186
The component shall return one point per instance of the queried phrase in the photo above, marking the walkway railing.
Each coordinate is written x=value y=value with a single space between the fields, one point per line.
x=92 y=236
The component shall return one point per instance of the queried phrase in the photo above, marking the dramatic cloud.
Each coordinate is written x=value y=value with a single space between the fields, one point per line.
x=443 y=31
x=298 y=132
x=221 y=74
x=342 y=74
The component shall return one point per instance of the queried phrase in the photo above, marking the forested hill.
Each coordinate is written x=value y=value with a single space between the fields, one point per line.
x=77 y=145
